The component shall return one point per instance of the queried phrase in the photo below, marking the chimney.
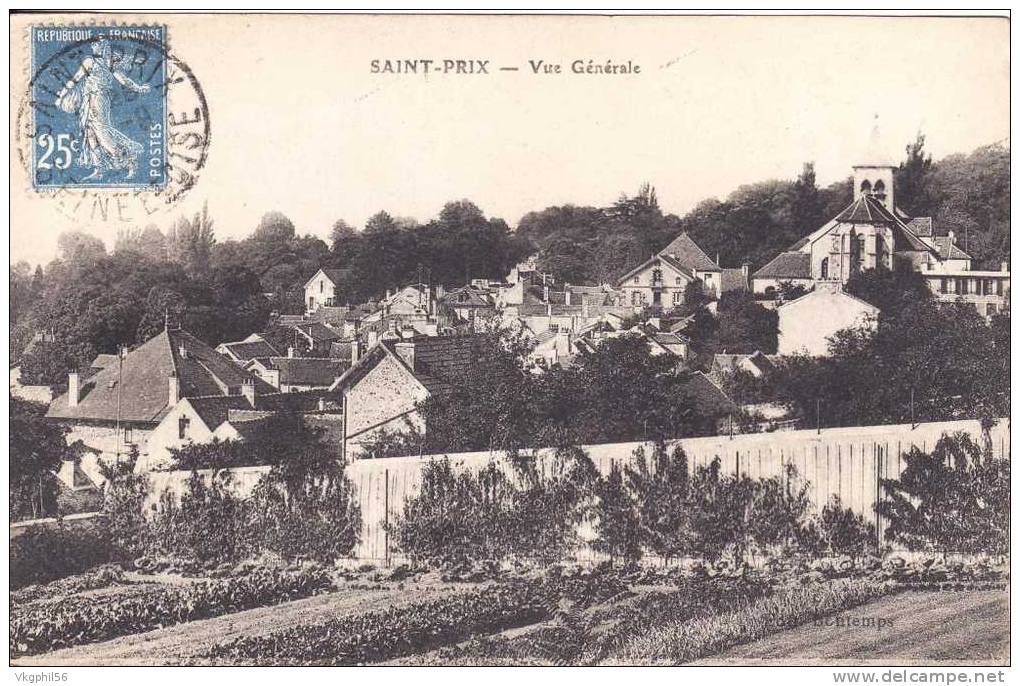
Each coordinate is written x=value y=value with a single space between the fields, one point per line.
x=355 y=353
x=73 y=389
x=290 y=351
x=372 y=337
x=405 y=351
x=1005 y=267
x=183 y=350
x=548 y=310
x=545 y=291
x=745 y=271
x=585 y=312
x=248 y=390
x=566 y=294
x=174 y=388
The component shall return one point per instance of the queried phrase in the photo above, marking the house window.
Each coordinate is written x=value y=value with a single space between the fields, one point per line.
x=637 y=279
x=770 y=292
x=554 y=328
x=943 y=287
x=322 y=285
x=679 y=281
x=656 y=276
x=825 y=267
x=182 y=427
x=127 y=434
x=678 y=297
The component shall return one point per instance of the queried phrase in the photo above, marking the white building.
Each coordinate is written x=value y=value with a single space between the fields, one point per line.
x=807 y=323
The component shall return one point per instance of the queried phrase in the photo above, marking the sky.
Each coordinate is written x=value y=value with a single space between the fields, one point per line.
x=301 y=125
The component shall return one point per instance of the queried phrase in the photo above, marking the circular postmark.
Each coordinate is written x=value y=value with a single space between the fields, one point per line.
x=113 y=126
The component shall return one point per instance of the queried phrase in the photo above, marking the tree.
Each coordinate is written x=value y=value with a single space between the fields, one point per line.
x=618 y=529
x=745 y=326
x=953 y=499
x=37 y=450
x=340 y=236
x=190 y=242
x=844 y=532
x=889 y=290
x=661 y=486
x=806 y=203
x=79 y=249
x=913 y=181
x=274 y=227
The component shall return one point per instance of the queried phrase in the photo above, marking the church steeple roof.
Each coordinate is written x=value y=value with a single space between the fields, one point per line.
x=875 y=154
x=866 y=210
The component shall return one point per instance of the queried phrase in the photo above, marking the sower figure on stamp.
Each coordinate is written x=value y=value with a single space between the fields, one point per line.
x=89 y=94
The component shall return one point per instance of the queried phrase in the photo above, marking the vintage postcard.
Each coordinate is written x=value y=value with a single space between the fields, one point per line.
x=509 y=340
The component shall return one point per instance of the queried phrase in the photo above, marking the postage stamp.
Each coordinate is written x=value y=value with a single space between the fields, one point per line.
x=99 y=102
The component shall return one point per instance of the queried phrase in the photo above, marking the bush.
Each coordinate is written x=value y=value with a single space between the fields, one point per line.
x=43 y=554
x=534 y=511
x=844 y=532
x=99 y=577
x=618 y=530
x=42 y=627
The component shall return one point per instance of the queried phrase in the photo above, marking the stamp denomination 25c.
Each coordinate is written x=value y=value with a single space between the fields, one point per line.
x=111 y=115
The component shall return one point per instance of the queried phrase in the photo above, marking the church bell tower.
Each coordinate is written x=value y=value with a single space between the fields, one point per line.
x=874 y=175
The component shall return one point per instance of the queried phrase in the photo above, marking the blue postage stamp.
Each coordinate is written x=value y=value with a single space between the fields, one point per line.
x=99 y=107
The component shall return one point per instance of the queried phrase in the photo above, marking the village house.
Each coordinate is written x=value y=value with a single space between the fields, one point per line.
x=757 y=364
x=807 y=323
x=872 y=232
x=661 y=280
x=382 y=390
x=203 y=419
x=323 y=289
x=115 y=411
x=293 y=374
x=243 y=352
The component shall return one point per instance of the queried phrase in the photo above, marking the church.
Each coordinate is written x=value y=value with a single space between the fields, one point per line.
x=872 y=232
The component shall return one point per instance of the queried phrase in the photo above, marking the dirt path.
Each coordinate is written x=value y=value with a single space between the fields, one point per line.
x=189 y=643
x=967 y=627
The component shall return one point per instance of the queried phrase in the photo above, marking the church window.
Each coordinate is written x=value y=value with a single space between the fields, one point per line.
x=825 y=267
x=879 y=187
x=866 y=187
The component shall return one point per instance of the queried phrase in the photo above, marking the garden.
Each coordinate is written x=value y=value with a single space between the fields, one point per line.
x=653 y=563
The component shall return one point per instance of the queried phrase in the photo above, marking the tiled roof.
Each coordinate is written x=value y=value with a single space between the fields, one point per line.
x=309 y=371
x=336 y=275
x=439 y=360
x=318 y=332
x=677 y=265
x=921 y=226
x=708 y=397
x=467 y=296
x=866 y=210
x=214 y=410
x=340 y=350
x=689 y=254
x=250 y=350
x=948 y=250
x=786 y=265
x=138 y=389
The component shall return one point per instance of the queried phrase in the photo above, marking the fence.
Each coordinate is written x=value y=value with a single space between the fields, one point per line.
x=848 y=462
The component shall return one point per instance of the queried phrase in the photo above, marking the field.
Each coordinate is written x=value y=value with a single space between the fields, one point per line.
x=576 y=616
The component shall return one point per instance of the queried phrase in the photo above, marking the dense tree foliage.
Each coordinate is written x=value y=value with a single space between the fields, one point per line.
x=928 y=362
x=36 y=450
x=953 y=499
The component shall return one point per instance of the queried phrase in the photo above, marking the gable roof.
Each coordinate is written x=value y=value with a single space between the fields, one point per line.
x=214 y=410
x=826 y=293
x=318 y=332
x=866 y=210
x=706 y=394
x=947 y=249
x=920 y=226
x=250 y=350
x=309 y=371
x=334 y=275
x=689 y=254
x=668 y=260
x=786 y=265
x=138 y=390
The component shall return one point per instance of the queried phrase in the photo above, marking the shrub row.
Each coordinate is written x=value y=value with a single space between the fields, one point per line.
x=99 y=577
x=42 y=627
x=396 y=631
x=42 y=554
